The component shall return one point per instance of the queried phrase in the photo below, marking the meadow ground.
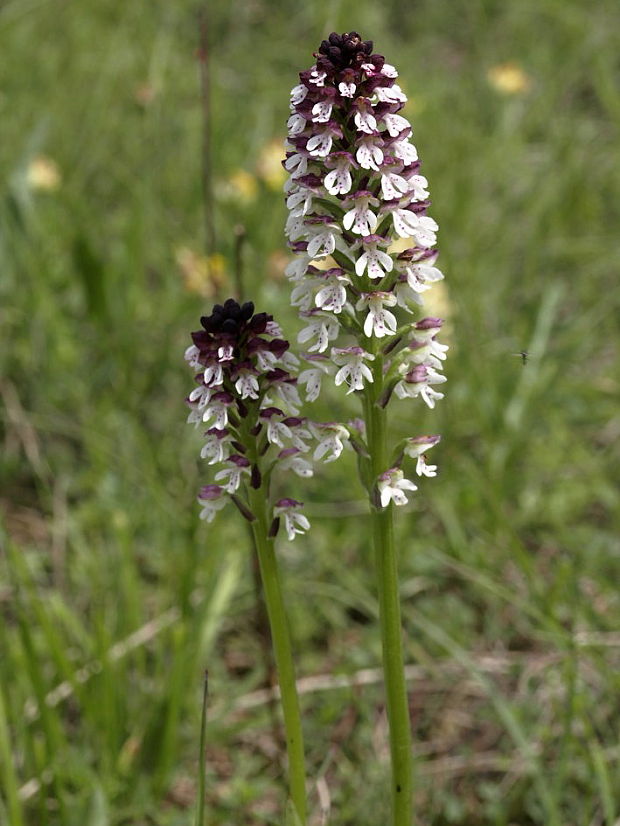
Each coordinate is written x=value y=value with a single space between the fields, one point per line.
x=111 y=587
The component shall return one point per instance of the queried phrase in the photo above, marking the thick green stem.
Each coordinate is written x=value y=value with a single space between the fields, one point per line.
x=389 y=612
x=282 y=652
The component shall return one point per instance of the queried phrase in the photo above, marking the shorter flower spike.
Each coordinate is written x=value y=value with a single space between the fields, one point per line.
x=246 y=395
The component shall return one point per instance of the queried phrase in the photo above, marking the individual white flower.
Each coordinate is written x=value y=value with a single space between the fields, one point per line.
x=300 y=202
x=246 y=384
x=296 y=125
x=291 y=460
x=216 y=447
x=387 y=70
x=321 y=111
x=405 y=151
x=395 y=124
x=333 y=294
x=339 y=180
x=212 y=500
x=416 y=445
x=353 y=370
x=231 y=476
x=379 y=321
x=213 y=375
x=418 y=382
x=390 y=94
x=320 y=143
x=364 y=118
x=286 y=393
x=297 y=164
x=422 y=469
x=391 y=486
x=312 y=377
x=421 y=273
x=422 y=228
x=418 y=187
x=302 y=295
x=217 y=410
x=377 y=262
x=369 y=153
x=347 y=90
x=361 y=219
x=332 y=437
x=277 y=432
x=405 y=295
x=321 y=234
x=394 y=186
x=297 y=267
x=191 y=357
x=298 y=94
x=295 y=523
x=415 y=448
x=226 y=352
x=200 y=396
x=321 y=327
x=317 y=77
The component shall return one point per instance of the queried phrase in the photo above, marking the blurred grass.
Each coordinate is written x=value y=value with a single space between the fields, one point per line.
x=510 y=559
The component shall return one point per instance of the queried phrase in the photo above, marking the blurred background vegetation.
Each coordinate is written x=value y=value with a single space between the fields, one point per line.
x=115 y=598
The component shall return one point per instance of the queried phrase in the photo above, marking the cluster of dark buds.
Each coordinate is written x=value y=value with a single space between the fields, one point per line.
x=246 y=398
x=363 y=241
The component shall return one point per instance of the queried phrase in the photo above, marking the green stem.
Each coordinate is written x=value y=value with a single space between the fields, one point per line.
x=389 y=612
x=282 y=652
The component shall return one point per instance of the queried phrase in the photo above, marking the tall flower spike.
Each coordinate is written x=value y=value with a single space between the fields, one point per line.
x=358 y=216
x=354 y=193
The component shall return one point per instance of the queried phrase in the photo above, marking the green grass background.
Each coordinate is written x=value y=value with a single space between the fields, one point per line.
x=510 y=559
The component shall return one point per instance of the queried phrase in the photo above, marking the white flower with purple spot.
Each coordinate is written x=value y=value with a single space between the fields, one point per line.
x=352 y=371
x=295 y=523
x=212 y=500
x=333 y=294
x=361 y=219
x=339 y=180
x=320 y=327
x=379 y=321
x=332 y=439
x=373 y=260
x=312 y=377
x=392 y=486
x=231 y=476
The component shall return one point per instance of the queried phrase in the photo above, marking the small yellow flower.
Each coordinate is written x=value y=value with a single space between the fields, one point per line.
x=509 y=79
x=437 y=304
x=200 y=274
x=269 y=165
x=241 y=187
x=145 y=94
x=276 y=264
x=43 y=174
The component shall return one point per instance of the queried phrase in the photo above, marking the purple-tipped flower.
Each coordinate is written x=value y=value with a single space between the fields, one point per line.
x=354 y=194
x=246 y=398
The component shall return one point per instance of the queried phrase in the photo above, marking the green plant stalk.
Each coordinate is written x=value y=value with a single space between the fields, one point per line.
x=282 y=651
x=202 y=760
x=386 y=565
